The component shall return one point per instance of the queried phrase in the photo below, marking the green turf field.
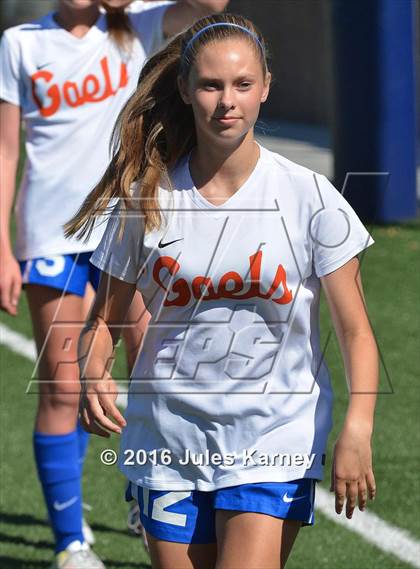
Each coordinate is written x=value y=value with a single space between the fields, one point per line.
x=391 y=282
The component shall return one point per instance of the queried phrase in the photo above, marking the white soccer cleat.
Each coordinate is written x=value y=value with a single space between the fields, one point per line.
x=77 y=556
x=86 y=529
x=87 y=532
x=134 y=524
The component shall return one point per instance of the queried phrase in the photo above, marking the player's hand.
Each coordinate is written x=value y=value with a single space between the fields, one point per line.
x=10 y=283
x=97 y=407
x=352 y=476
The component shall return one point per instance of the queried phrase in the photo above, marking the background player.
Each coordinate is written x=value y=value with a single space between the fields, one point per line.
x=231 y=359
x=67 y=75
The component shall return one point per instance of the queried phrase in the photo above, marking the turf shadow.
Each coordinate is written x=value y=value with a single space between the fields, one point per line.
x=22 y=519
x=102 y=527
x=19 y=540
x=13 y=563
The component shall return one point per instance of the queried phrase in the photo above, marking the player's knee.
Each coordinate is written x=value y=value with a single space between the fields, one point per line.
x=61 y=400
x=62 y=391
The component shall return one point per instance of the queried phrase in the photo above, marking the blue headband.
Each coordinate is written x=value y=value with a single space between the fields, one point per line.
x=217 y=25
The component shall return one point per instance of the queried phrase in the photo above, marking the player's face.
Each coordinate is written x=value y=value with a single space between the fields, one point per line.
x=226 y=87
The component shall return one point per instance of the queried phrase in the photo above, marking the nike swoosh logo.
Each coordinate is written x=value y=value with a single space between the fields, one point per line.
x=44 y=65
x=288 y=499
x=161 y=245
x=59 y=506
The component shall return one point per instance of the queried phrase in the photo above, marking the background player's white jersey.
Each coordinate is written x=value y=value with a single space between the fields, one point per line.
x=70 y=91
x=232 y=360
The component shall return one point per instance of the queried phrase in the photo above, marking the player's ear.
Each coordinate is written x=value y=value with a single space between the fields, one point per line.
x=266 y=90
x=183 y=90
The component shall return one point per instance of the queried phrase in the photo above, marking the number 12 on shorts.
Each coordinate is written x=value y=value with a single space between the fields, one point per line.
x=160 y=503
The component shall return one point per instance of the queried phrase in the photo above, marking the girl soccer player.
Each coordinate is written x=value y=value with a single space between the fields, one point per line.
x=68 y=75
x=230 y=401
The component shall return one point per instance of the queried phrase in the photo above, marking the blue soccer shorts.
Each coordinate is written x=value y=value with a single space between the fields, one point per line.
x=68 y=273
x=189 y=516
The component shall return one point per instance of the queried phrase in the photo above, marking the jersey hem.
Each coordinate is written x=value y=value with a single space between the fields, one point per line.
x=9 y=98
x=25 y=255
x=226 y=481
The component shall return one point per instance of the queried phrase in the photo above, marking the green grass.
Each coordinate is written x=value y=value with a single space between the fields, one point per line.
x=391 y=284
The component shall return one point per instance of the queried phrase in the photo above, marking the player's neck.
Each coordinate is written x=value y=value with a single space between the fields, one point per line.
x=76 y=22
x=224 y=166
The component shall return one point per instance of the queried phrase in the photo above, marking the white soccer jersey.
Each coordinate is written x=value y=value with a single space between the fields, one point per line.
x=231 y=364
x=70 y=91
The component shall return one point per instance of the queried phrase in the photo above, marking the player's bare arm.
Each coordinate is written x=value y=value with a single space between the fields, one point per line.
x=185 y=12
x=102 y=331
x=10 y=276
x=352 y=477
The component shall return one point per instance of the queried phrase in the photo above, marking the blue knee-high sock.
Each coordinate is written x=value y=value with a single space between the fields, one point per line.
x=83 y=441
x=57 y=460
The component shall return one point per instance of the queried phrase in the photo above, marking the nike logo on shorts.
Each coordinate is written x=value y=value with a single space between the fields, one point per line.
x=289 y=499
x=59 y=506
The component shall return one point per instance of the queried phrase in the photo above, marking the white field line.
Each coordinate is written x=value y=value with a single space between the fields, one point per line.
x=17 y=343
x=373 y=529
x=26 y=348
x=369 y=526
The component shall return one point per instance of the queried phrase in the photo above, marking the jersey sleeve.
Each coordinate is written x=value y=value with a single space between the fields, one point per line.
x=336 y=232
x=10 y=80
x=120 y=258
x=147 y=21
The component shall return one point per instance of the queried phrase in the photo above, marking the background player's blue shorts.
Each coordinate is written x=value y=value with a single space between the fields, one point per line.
x=189 y=516
x=69 y=273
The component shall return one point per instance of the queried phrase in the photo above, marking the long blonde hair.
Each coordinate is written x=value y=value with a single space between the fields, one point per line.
x=156 y=128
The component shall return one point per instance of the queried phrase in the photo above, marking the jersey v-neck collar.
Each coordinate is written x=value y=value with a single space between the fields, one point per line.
x=98 y=26
x=231 y=204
